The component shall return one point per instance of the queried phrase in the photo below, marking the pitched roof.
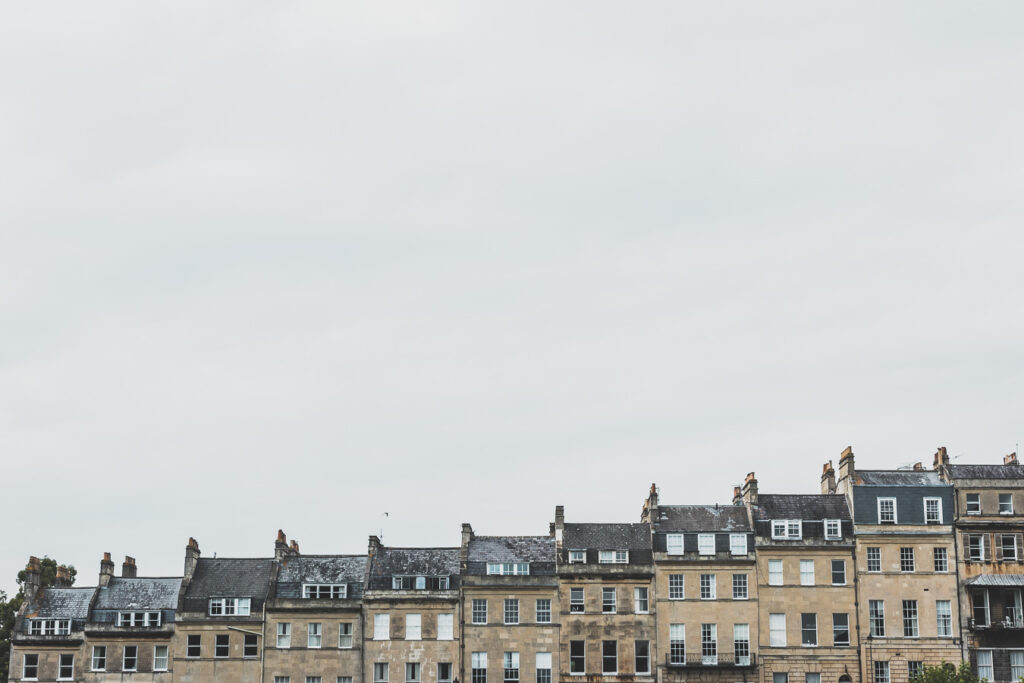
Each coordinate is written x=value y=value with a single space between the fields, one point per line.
x=899 y=478
x=415 y=561
x=139 y=593
x=231 y=578
x=608 y=536
x=323 y=569
x=812 y=506
x=61 y=603
x=512 y=549
x=986 y=471
x=703 y=518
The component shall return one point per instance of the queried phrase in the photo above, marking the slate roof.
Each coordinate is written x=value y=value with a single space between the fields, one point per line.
x=899 y=478
x=231 y=578
x=512 y=549
x=323 y=569
x=607 y=536
x=415 y=561
x=139 y=593
x=986 y=471
x=997 y=580
x=61 y=603
x=702 y=518
x=813 y=506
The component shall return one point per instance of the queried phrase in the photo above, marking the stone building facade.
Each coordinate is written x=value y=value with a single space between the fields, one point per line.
x=926 y=566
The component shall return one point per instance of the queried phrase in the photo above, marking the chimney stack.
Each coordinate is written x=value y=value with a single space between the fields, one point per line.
x=106 y=569
x=467 y=536
x=649 y=513
x=750 y=490
x=374 y=546
x=941 y=458
x=918 y=467
x=847 y=472
x=191 y=560
x=293 y=547
x=828 y=479
x=559 y=529
x=737 y=495
x=63 y=577
x=33 y=574
x=1010 y=459
x=128 y=568
x=280 y=546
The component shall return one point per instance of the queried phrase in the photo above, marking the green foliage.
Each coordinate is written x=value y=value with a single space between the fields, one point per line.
x=9 y=609
x=946 y=673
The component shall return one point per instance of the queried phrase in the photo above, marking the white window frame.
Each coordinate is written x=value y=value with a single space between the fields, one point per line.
x=877 y=551
x=25 y=665
x=745 y=584
x=706 y=544
x=382 y=626
x=413 y=672
x=381 y=672
x=938 y=504
x=944 y=618
x=945 y=559
x=314 y=635
x=542 y=664
x=738 y=544
x=709 y=644
x=982 y=546
x=613 y=556
x=571 y=657
x=677 y=641
x=641 y=600
x=95 y=656
x=879 y=620
x=911 y=613
x=741 y=644
x=887 y=499
x=881 y=672
x=284 y=635
x=510 y=614
x=347 y=629
x=508 y=568
x=478 y=616
x=787 y=529
x=604 y=657
x=681 y=586
x=831 y=535
x=413 y=626
x=1002 y=547
x=802 y=629
x=198 y=646
x=60 y=665
x=986 y=672
x=968 y=503
x=510 y=666
x=166 y=658
x=577 y=556
x=775 y=578
x=577 y=606
x=325 y=591
x=710 y=582
x=124 y=658
x=230 y=607
x=999 y=501
x=832 y=572
x=605 y=590
x=777 y=630
x=1016 y=664
x=908 y=557
x=674 y=544
x=446 y=626
x=807 y=573
x=543 y=610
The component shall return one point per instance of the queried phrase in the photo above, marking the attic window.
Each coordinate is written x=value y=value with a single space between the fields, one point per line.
x=674 y=544
x=333 y=591
x=613 y=556
x=229 y=607
x=508 y=568
x=577 y=557
x=787 y=529
x=50 y=627
x=138 y=619
x=419 y=583
x=833 y=529
x=886 y=510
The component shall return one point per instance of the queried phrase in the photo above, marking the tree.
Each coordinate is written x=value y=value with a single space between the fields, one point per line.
x=9 y=608
x=946 y=673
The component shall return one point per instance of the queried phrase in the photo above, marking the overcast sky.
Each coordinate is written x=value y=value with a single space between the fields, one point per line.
x=295 y=265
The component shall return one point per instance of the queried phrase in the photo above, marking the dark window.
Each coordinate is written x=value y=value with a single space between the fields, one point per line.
x=223 y=646
x=841 y=630
x=131 y=658
x=941 y=560
x=809 y=629
x=874 y=559
x=575 y=599
x=193 y=649
x=251 y=649
x=609 y=656
x=30 y=667
x=838 y=572
x=444 y=672
x=67 y=666
x=577 y=657
x=642 y=656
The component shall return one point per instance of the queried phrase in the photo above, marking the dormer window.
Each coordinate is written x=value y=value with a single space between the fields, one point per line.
x=787 y=529
x=229 y=607
x=419 y=583
x=508 y=568
x=330 y=591
x=933 y=511
x=674 y=544
x=613 y=556
x=706 y=544
x=833 y=529
x=577 y=557
x=49 y=627
x=138 y=619
x=886 y=510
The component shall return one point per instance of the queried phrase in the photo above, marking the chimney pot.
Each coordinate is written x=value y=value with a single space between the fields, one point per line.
x=918 y=467
x=128 y=568
x=294 y=546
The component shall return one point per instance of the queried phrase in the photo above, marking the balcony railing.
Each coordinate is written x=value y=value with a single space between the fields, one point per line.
x=1009 y=623
x=720 y=661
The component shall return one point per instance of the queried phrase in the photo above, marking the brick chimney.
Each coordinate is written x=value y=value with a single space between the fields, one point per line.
x=559 y=528
x=33 y=574
x=374 y=546
x=1010 y=459
x=847 y=472
x=750 y=490
x=918 y=467
x=467 y=536
x=280 y=546
x=63 y=577
x=941 y=458
x=649 y=513
x=191 y=560
x=293 y=547
x=828 y=479
x=128 y=568
x=106 y=569
x=737 y=495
